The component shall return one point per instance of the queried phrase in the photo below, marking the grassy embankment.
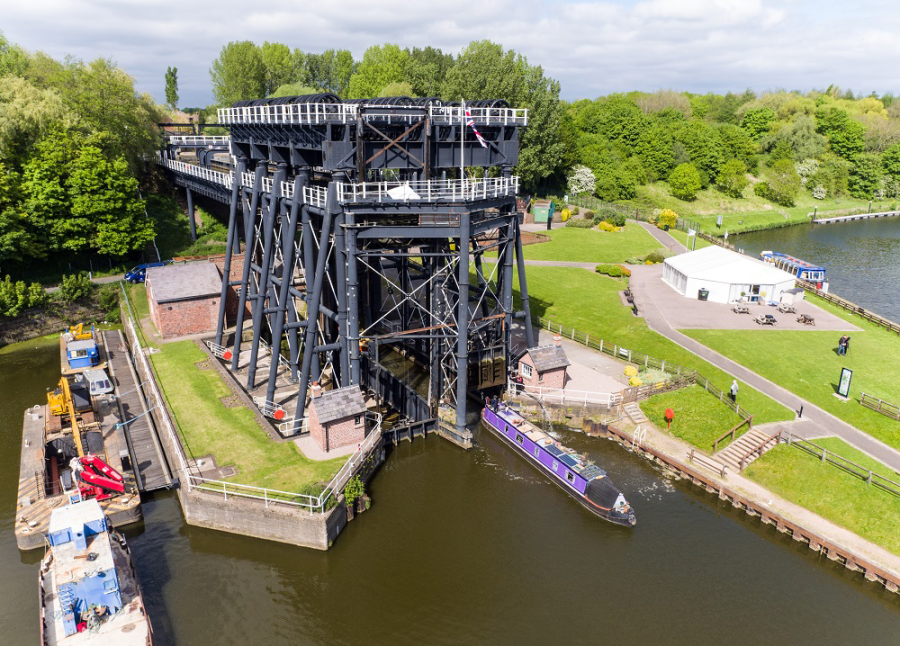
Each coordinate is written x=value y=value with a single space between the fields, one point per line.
x=805 y=362
x=700 y=418
x=590 y=302
x=749 y=213
x=831 y=492
x=592 y=245
x=232 y=435
x=173 y=236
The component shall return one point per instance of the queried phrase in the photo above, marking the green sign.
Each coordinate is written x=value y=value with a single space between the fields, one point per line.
x=844 y=386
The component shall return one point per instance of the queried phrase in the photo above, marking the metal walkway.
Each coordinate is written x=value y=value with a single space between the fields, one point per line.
x=150 y=467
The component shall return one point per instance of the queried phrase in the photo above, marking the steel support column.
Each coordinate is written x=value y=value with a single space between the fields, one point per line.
x=353 y=300
x=249 y=245
x=523 y=288
x=190 y=205
x=221 y=323
x=462 y=326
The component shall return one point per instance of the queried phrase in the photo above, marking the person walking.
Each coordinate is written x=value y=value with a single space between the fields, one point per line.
x=846 y=344
x=842 y=345
x=734 y=391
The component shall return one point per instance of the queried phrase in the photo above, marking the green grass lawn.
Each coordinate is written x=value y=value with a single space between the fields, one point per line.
x=682 y=237
x=805 y=363
x=590 y=245
x=700 y=418
x=831 y=492
x=589 y=302
x=232 y=435
x=748 y=213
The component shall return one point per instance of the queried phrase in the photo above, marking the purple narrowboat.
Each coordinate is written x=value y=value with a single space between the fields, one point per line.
x=587 y=483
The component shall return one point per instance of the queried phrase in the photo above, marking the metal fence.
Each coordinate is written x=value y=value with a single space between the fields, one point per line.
x=640 y=359
x=565 y=396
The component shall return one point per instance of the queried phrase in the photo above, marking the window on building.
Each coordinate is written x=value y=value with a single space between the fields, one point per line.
x=520 y=439
x=357 y=420
x=570 y=477
x=537 y=451
x=526 y=370
x=540 y=376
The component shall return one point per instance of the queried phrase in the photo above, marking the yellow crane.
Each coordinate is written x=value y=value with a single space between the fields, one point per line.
x=60 y=402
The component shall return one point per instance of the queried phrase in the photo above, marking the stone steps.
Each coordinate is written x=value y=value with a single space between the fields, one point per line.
x=635 y=413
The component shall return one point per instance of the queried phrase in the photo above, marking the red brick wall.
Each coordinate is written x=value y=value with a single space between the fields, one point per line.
x=179 y=318
x=555 y=378
x=231 y=299
x=338 y=433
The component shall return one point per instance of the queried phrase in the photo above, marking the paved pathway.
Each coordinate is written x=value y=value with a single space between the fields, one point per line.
x=831 y=425
x=663 y=238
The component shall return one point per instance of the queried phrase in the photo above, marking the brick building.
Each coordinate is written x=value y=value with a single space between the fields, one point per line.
x=337 y=417
x=544 y=367
x=232 y=296
x=184 y=299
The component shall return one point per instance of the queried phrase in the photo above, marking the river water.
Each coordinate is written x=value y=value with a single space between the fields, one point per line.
x=467 y=548
x=862 y=258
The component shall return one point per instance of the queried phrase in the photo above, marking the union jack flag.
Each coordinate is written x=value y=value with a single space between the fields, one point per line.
x=471 y=123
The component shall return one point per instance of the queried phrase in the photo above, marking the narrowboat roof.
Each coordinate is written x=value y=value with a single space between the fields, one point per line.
x=81 y=345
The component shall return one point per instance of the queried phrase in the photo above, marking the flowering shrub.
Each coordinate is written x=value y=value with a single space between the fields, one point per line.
x=581 y=180
x=819 y=192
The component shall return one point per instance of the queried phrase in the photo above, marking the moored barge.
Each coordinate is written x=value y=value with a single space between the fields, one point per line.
x=585 y=482
x=799 y=268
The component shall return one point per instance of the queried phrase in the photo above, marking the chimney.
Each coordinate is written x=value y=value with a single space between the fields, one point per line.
x=557 y=340
x=316 y=390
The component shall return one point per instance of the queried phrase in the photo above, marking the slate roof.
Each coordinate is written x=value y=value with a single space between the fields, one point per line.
x=183 y=282
x=548 y=357
x=337 y=404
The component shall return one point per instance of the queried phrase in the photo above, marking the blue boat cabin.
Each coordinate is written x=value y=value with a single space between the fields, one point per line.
x=82 y=354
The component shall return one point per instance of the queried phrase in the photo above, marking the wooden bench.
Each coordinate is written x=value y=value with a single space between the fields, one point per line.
x=741 y=309
x=786 y=309
x=766 y=319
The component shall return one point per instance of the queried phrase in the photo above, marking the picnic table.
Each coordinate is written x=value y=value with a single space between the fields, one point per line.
x=766 y=319
x=741 y=309
x=806 y=319
x=786 y=309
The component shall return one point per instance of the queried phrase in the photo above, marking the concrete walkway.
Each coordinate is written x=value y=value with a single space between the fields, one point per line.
x=663 y=238
x=826 y=422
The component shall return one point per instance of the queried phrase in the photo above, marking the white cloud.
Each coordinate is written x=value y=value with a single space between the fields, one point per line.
x=593 y=48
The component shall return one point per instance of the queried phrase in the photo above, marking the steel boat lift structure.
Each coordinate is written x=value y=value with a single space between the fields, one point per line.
x=359 y=235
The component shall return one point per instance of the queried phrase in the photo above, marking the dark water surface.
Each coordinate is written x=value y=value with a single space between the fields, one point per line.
x=862 y=258
x=467 y=548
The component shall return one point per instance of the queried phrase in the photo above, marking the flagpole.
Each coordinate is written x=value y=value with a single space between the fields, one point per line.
x=462 y=147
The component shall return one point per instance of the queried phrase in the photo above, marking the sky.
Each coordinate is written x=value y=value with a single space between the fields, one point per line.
x=592 y=48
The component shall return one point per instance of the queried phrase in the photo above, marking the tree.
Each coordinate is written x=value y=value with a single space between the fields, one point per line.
x=783 y=183
x=685 y=182
x=397 y=89
x=425 y=70
x=732 y=179
x=331 y=71
x=845 y=136
x=27 y=113
x=16 y=241
x=654 y=149
x=484 y=70
x=891 y=161
x=293 y=89
x=737 y=144
x=757 y=121
x=381 y=65
x=865 y=176
x=172 y=87
x=704 y=146
x=280 y=66
x=581 y=181
x=238 y=74
x=13 y=59
x=614 y=183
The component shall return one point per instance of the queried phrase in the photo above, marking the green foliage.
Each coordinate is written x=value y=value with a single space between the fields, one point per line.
x=108 y=301
x=331 y=70
x=612 y=216
x=293 y=89
x=353 y=490
x=381 y=66
x=16 y=296
x=27 y=113
x=75 y=287
x=685 y=182
x=737 y=144
x=613 y=271
x=425 y=70
x=614 y=183
x=654 y=149
x=668 y=217
x=280 y=66
x=732 y=179
x=865 y=176
x=658 y=256
x=578 y=223
x=845 y=135
x=783 y=183
x=172 y=87
x=400 y=88
x=757 y=122
x=635 y=168
x=239 y=73
x=890 y=161
x=761 y=189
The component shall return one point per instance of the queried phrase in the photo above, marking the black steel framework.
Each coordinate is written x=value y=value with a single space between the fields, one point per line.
x=360 y=239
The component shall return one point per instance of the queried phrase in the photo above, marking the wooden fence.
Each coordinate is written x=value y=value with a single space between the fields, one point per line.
x=850 y=307
x=850 y=467
x=733 y=432
x=881 y=406
x=640 y=359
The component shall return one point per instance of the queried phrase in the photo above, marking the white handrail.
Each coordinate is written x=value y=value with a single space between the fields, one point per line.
x=197 y=140
x=452 y=190
x=566 y=395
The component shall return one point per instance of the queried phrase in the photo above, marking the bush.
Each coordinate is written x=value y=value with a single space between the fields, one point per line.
x=667 y=217
x=15 y=297
x=606 y=226
x=565 y=214
x=612 y=216
x=75 y=287
x=784 y=183
x=575 y=210
x=613 y=271
x=685 y=182
x=631 y=371
x=656 y=257
x=635 y=381
x=355 y=488
x=37 y=295
x=588 y=215
x=762 y=189
x=580 y=224
x=732 y=179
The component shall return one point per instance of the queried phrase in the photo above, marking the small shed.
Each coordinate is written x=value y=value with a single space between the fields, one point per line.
x=544 y=366
x=184 y=299
x=793 y=296
x=337 y=417
x=725 y=276
x=82 y=354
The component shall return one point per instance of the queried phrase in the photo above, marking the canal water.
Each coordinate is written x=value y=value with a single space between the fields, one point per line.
x=467 y=548
x=862 y=258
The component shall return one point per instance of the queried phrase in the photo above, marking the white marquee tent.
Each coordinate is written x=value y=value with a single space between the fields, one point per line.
x=726 y=275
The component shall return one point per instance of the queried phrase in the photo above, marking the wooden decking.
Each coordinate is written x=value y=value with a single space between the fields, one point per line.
x=150 y=467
